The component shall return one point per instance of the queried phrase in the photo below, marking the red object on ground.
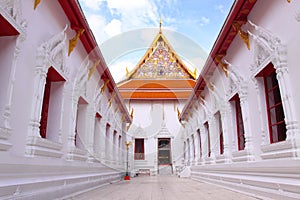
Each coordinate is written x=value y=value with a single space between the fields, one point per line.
x=127 y=178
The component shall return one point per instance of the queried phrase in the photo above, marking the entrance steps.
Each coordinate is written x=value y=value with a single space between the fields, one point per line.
x=165 y=170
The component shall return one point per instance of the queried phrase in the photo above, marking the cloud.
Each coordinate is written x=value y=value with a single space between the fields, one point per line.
x=118 y=69
x=204 y=21
x=113 y=28
x=221 y=8
x=97 y=24
x=134 y=13
x=92 y=4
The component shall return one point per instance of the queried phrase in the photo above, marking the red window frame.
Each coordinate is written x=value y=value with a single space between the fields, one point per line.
x=240 y=131
x=206 y=125
x=45 y=108
x=52 y=76
x=276 y=122
x=139 y=149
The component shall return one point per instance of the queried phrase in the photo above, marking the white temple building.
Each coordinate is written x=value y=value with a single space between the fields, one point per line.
x=64 y=121
x=242 y=121
x=154 y=91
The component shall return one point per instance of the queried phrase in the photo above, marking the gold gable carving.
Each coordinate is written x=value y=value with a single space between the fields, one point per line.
x=160 y=62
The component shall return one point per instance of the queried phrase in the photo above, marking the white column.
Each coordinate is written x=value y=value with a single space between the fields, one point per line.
x=292 y=126
x=214 y=139
x=225 y=115
x=102 y=139
x=246 y=120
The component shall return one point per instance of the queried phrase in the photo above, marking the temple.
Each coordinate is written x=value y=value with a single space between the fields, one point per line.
x=153 y=91
x=66 y=126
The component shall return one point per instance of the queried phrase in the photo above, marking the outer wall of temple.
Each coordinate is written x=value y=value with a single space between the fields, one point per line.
x=254 y=122
x=63 y=125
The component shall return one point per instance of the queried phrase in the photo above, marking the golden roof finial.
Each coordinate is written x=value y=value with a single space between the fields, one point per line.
x=160 y=23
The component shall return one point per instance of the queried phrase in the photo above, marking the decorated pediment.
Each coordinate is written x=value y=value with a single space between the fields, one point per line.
x=161 y=62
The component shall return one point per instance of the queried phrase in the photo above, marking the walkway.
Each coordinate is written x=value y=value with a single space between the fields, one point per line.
x=161 y=188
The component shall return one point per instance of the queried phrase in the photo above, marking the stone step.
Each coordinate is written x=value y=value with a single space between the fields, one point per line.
x=165 y=170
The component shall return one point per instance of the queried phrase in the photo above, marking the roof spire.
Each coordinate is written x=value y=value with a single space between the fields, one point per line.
x=160 y=23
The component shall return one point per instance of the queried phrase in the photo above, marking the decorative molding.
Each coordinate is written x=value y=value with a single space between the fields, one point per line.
x=277 y=53
x=13 y=13
x=223 y=65
x=77 y=154
x=241 y=156
x=36 y=3
x=11 y=10
x=93 y=69
x=237 y=26
x=37 y=146
x=280 y=150
x=265 y=44
x=54 y=51
x=237 y=82
x=47 y=55
x=103 y=88
x=74 y=40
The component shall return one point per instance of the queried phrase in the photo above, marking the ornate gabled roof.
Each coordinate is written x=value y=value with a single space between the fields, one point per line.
x=160 y=74
x=160 y=62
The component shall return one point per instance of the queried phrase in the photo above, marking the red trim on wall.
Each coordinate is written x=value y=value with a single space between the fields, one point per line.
x=278 y=113
x=239 y=12
x=6 y=29
x=77 y=20
x=139 y=151
x=45 y=108
x=239 y=123
x=54 y=76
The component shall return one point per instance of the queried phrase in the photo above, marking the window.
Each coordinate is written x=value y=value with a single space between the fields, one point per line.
x=45 y=107
x=200 y=146
x=239 y=122
x=139 y=149
x=119 y=142
x=164 y=151
x=277 y=126
x=115 y=143
x=220 y=132
x=52 y=102
x=107 y=142
x=206 y=126
x=80 y=123
x=97 y=133
x=194 y=150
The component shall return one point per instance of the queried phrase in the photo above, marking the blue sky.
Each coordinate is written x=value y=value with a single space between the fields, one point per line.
x=198 y=20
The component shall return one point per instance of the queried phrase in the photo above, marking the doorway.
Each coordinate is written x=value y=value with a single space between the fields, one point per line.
x=164 y=151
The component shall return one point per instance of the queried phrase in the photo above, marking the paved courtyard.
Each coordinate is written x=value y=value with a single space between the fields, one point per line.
x=161 y=188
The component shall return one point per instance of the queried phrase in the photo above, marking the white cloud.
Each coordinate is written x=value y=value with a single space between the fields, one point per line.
x=118 y=69
x=97 y=24
x=92 y=4
x=134 y=13
x=204 y=21
x=221 y=8
x=113 y=28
